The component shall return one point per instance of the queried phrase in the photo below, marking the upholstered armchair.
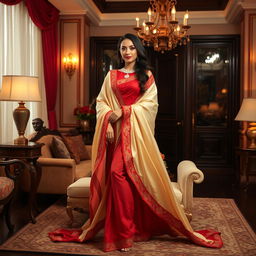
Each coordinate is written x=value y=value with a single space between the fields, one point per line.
x=10 y=171
x=187 y=174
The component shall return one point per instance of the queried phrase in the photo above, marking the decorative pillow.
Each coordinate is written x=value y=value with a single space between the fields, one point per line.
x=72 y=147
x=83 y=153
x=59 y=149
x=76 y=147
x=45 y=150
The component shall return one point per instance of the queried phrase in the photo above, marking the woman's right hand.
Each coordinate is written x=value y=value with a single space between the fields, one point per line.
x=110 y=133
x=116 y=114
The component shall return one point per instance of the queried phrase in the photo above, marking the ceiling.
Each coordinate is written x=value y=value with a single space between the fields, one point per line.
x=124 y=12
x=124 y=6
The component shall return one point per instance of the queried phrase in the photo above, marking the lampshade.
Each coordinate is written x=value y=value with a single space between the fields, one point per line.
x=247 y=110
x=20 y=88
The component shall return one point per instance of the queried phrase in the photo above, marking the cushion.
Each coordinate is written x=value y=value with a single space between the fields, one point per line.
x=83 y=153
x=72 y=147
x=6 y=187
x=80 y=188
x=76 y=147
x=45 y=150
x=59 y=149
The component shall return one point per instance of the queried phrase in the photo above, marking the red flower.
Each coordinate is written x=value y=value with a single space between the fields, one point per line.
x=84 y=113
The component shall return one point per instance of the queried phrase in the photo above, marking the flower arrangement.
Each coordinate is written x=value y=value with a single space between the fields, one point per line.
x=85 y=113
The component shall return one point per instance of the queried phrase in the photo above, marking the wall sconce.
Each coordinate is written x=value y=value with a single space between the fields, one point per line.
x=70 y=63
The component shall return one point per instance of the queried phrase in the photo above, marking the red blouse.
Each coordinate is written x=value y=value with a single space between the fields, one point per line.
x=128 y=88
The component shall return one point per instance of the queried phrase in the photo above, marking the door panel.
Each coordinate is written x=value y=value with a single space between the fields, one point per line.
x=169 y=76
x=214 y=89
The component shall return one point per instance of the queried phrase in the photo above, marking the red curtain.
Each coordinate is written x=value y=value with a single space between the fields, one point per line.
x=45 y=16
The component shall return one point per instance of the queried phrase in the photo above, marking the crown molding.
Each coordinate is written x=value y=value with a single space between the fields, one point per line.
x=92 y=12
x=231 y=14
x=233 y=11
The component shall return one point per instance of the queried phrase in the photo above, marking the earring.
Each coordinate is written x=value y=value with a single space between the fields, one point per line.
x=137 y=59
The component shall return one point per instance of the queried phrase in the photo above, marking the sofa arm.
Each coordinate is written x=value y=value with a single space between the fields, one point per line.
x=89 y=150
x=57 y=175
x=187 y=174
x=62 y=162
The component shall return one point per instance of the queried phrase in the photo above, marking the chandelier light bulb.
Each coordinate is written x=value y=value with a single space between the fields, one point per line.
x=149 y=14
x=185 y=20
x=173 y=12
x=137 y=22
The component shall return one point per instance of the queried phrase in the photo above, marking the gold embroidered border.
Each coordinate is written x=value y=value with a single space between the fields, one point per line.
x=124 y=243
x=149 y=82
x=95 y=187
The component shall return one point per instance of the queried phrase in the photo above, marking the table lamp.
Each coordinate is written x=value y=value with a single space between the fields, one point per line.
x=21 y=89
x=247 y=112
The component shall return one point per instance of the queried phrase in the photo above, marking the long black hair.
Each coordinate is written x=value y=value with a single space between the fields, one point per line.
x=141 y=66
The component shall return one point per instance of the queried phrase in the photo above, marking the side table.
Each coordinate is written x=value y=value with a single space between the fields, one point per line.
x=29 y=154
x=244 y=155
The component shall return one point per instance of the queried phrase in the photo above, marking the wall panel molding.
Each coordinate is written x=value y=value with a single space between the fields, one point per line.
x=71 y=90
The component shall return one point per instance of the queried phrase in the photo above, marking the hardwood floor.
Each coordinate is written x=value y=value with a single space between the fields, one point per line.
x=245 y=200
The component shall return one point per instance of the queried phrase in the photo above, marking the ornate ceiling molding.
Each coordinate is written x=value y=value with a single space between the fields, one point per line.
x=231 y=14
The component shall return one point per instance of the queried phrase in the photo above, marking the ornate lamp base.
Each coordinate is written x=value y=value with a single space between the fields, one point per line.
x=21 y=115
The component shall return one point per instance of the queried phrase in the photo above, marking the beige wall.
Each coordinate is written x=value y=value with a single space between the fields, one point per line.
x=248 y=54
x=73 y=38
x=248 y=63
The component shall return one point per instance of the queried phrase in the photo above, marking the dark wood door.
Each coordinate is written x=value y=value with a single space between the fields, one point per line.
x=169 y=70
x=213 y=86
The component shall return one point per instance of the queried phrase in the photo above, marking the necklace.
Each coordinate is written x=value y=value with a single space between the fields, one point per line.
x=127 y=72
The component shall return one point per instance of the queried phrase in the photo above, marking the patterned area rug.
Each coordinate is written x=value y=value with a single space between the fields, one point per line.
x=215 y=213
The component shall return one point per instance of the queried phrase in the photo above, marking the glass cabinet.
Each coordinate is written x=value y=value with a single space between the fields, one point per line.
x=214 y=88
x=212 y=85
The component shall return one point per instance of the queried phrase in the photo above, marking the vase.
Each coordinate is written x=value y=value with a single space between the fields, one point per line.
x=85 y=125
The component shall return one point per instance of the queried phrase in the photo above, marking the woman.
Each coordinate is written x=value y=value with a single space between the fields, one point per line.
x=131 y=194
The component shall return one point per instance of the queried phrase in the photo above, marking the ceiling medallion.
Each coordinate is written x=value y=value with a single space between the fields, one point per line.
x=162 y=30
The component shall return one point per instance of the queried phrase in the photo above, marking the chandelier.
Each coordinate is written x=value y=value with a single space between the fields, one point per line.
x=162 y=30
